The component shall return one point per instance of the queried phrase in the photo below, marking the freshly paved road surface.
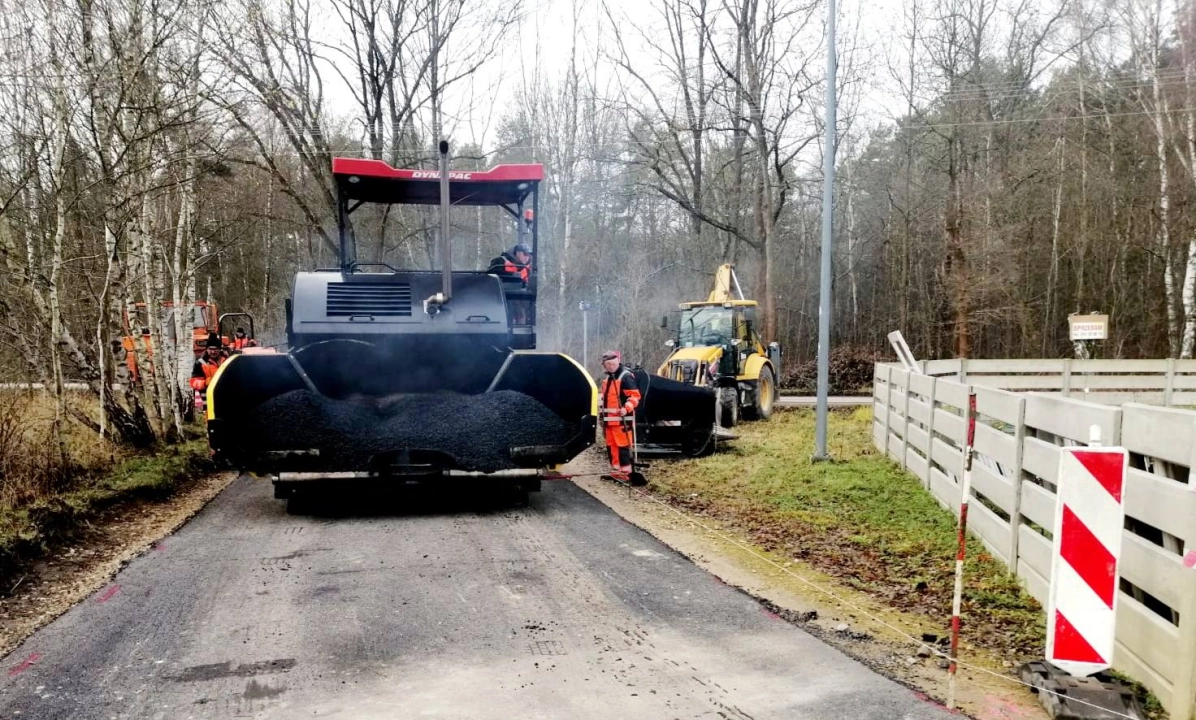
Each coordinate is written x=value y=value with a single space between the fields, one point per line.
x=559 y=610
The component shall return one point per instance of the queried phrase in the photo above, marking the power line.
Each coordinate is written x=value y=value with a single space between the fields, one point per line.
x=1045 y=119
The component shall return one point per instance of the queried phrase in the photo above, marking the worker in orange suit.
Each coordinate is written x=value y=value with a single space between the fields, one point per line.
x=205 y=367
x=517 y=262
x=619 y=398
x=240 y=342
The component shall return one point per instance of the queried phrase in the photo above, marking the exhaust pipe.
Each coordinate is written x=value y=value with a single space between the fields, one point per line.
x=433 y=304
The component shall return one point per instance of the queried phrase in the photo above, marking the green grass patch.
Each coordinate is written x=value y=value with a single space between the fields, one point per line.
x=861 y=518
x=26 y=531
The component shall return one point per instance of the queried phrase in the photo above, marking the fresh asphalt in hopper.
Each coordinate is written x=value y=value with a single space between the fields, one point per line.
x=476 y=430
x=437 y=610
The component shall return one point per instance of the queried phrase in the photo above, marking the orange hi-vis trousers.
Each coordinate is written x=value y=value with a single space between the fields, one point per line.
x=618 y=441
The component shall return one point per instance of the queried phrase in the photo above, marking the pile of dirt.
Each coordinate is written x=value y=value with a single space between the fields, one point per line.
x=477 y=431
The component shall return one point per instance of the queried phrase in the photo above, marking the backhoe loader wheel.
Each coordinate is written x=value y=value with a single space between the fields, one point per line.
x=728 y=406
x=766 y=394
x=697 y=443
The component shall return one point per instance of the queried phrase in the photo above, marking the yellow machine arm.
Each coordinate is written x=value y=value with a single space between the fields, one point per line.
x=724 y=282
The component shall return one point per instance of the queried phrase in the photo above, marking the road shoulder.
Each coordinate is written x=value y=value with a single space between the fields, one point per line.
x=874 y=634
x=71 y=573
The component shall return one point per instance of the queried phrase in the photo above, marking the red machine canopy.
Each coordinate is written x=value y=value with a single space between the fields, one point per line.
x=376 y=182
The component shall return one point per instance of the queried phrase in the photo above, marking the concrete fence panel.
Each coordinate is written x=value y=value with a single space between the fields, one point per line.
x=898 y=397
x=1000 y=438
x=947 y=441
x=1160 y=500
x=920 y=421
x=1167 y=383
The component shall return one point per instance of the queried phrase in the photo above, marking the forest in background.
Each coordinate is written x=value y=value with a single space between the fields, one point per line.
x=1028 y=160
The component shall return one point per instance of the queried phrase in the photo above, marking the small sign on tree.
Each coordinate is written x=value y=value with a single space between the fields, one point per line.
x=1088 y=327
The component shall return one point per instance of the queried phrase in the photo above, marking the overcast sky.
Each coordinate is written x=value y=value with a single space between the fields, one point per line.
x=476 y=106
x=871 y=31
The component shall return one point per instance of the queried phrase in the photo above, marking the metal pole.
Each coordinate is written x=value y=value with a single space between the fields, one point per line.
x=598 y=325
x=446 y=247
x=828 y=199
x=585 y=332
x=961 y=549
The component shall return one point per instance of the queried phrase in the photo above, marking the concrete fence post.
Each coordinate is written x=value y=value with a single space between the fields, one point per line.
x=963 y=371
x=1067 y=377
x=1183 y=689
x=1169 y=388
x=884 y=443
x=1015 y=512
x=905 y=430
x=930 y=434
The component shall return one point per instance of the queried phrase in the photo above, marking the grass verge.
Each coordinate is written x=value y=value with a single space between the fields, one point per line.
x=860 y=518
x=28 y=530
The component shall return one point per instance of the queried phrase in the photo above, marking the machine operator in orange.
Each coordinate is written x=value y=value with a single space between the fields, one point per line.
x=206 y=365
x=620 y=396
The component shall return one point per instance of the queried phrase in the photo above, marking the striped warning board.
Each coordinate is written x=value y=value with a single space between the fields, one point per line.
x=1089 y=517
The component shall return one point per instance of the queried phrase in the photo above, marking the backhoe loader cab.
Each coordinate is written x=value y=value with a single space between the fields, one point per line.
x=408 y=373
x=716 y=344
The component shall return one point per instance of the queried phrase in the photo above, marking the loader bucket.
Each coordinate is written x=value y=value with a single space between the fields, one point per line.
x=674 y=417
x=326 y=410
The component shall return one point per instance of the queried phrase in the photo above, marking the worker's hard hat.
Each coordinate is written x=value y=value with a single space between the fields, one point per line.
x=240 y=331
x=611 y=355
x=213 y=341
x=522 y=248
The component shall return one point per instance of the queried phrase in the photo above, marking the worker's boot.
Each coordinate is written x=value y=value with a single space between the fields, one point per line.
x=617 y=474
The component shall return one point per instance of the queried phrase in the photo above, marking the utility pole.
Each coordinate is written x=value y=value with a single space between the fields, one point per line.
x=584 y=306
x=598 y=313
x=828 y=222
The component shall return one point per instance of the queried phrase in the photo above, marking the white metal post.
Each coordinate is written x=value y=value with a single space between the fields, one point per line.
x=585 y=331
x=962 y=545
x=828 y=222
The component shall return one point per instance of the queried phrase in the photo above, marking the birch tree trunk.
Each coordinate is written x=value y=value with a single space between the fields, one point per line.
x=103 y=334
x=183 y=266
x=1158 y=116
x=1053 y=276
x=60 y=221
x=1188 y=293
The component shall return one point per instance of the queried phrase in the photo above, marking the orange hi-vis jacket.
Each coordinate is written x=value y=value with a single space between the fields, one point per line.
x=619 y=391
x=515 y=268
x=202 y=372
x=240 y=343
x=508 y=266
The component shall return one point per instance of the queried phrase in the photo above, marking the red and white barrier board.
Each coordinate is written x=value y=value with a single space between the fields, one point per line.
x=1089 y=517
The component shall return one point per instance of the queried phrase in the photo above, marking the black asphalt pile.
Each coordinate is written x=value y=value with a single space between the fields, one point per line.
x=477 y=431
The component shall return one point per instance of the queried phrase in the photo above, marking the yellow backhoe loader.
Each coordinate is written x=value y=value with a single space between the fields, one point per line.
x=716 y=345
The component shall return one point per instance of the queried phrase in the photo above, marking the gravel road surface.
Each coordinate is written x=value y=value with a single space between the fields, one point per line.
x=558 y=610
